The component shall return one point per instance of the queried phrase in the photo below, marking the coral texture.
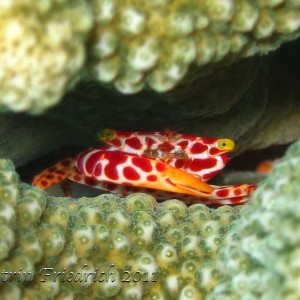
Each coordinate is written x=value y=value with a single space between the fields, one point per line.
x=41 y=51
x=140 y=44
x=248 y=252
x=260 y=255
x=169 y=243
x=128 y=44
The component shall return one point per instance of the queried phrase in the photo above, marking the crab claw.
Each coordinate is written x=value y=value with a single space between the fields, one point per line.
x=181 y=182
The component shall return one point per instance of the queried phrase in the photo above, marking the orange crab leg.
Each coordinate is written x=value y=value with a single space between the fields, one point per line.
x=232 y=191
x=55 y=174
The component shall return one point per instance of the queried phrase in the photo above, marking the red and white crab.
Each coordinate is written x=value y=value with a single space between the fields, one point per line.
x=166 y=164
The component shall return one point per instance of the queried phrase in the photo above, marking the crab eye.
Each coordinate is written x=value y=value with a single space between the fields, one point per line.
x=106 y=134
x=226 y=145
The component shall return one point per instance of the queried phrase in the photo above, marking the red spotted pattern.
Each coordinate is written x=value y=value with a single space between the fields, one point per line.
x=114 y=159
x=142 y=163
x=160 y=167
x=77 y=178
x=222 y=193
x=98 y=170
x=131 y=174
x=115 y=142
x=151 y=177
x=44 y=183
x=225 y=159
x=208 y=141
x=198 y=148
x=183 y=144
x=214 y=151
x=180 y=163
x=149 y=142
x=201 y=164
x=134 y=143
x=236 y=200
x=92 y=161
x=109 y=186
x=90 y=181
x=81 y=158
x=237 y=192
x=60 y=172
x=166 y=147
x=210 y=175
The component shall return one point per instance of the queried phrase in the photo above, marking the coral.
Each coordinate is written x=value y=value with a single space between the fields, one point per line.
x=41 y=51
x=195 y=252
x=129 y=45
x=259 y=258
x=153 y=44
x=169 y=244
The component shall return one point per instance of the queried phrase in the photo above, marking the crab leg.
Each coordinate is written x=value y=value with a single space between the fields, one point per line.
x=222 y=195
x=245 y=191
x=55 y=174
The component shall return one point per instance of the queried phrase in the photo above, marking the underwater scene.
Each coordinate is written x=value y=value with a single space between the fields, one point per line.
x=150 y=149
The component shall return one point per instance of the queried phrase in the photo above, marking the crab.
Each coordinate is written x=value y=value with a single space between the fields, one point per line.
x=165 y=163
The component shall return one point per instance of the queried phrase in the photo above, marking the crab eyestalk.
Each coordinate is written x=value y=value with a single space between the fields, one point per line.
x=226 y=145
x=106 y=135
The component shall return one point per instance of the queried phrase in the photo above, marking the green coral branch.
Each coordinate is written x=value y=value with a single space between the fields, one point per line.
x=195 y=252
x=260 y=255
x=171 y=245
x=131 y=46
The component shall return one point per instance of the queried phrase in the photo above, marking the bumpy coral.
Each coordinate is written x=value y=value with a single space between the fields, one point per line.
x=153 y=43
x=260 y=255
x=41 y=51
x=58 y=247
x=130 y=45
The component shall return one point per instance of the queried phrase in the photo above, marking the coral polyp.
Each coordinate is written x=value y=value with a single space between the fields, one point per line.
x=46 y=46
x=153 y=45
x=41 y=51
